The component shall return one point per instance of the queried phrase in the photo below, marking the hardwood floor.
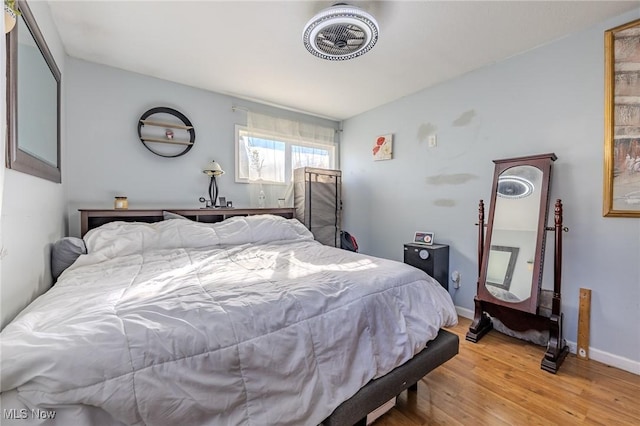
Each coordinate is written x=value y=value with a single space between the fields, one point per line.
x=498 y=381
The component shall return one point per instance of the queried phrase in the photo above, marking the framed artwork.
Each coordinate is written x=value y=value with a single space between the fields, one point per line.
x=425 y=238
x=622 y=121
x=383 y=148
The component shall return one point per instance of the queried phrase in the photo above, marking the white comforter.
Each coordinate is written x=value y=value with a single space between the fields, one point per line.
x=248 y=321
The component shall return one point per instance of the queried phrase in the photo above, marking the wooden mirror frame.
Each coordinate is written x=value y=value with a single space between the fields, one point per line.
x=17 y=158
x=543 y=163
x=527 y=315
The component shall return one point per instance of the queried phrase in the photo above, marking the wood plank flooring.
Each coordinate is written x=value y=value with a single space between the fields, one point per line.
x=498 y=381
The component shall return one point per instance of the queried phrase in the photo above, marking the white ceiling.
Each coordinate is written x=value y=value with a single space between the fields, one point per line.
x=254 y=50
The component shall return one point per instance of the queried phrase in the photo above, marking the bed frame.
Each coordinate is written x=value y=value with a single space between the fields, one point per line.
x=374 y=394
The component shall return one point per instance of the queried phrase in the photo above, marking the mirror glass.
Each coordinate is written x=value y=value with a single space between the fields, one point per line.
x=514 y=234
x=37 y=101
x=501 y=266
x=33 y=82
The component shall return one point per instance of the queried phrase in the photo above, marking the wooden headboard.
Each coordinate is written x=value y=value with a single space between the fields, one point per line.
x=92 y=218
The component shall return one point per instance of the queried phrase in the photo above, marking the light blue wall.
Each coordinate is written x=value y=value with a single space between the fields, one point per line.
x=33 y=210
x=105 y=157
x=550 y=99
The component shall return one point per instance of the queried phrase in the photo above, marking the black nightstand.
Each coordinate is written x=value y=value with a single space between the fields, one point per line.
x=434 y=260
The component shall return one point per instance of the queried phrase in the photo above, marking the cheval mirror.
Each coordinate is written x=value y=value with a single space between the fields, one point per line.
x=511 y=258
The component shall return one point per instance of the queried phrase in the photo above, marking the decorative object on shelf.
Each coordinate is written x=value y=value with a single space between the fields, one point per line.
x=121 y=203
x=425 y=238
x=213 y=170
x=621 y=121
x=383 y=148
x=11 y=13
x=340 y=32
x=160 y=126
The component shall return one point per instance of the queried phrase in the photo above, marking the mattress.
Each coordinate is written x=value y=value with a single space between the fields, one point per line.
x=248 y=321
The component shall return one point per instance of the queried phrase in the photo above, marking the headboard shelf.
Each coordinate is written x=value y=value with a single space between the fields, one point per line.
x=92 y=218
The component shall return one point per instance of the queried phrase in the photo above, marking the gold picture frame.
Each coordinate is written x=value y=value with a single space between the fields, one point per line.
x=622 y=121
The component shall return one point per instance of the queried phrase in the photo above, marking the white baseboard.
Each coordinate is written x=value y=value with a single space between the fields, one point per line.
x=464 y=312
x=607 y=358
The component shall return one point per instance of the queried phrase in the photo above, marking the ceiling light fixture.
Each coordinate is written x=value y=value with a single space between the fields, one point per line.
x=514 y=187
x=340 y=32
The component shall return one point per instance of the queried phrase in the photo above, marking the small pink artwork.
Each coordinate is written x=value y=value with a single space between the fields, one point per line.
x=383 y=148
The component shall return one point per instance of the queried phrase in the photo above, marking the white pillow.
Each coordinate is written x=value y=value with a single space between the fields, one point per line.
x=122 y=238
x=168 y=215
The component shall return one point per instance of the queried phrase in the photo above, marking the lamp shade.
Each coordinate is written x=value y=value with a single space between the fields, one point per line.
x=213 y=169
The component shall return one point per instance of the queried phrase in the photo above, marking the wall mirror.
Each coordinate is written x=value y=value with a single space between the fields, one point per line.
x=33 y=101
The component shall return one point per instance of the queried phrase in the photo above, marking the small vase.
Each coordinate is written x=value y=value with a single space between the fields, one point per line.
x=9 y=19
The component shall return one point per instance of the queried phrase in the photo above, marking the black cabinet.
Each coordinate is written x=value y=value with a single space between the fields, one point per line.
x=434 y=260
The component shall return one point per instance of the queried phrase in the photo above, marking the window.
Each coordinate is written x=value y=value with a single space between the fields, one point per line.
x=268 y=156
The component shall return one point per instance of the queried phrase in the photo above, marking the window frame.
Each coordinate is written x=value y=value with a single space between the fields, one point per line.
x=289 y=143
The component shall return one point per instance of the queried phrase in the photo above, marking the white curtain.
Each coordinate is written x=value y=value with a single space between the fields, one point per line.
x=274 y=147
x=267 y=158
x=291 y=129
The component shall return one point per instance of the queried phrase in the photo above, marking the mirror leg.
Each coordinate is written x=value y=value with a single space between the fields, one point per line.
x=557 y=348
x=481 y=324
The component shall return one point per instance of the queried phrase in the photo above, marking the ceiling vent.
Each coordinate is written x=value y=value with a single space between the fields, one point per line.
x=340 y=32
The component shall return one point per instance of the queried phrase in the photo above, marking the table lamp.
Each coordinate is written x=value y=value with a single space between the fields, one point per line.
x=213 y=170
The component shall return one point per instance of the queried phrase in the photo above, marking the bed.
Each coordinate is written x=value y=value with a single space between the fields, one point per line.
x=242 y=321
